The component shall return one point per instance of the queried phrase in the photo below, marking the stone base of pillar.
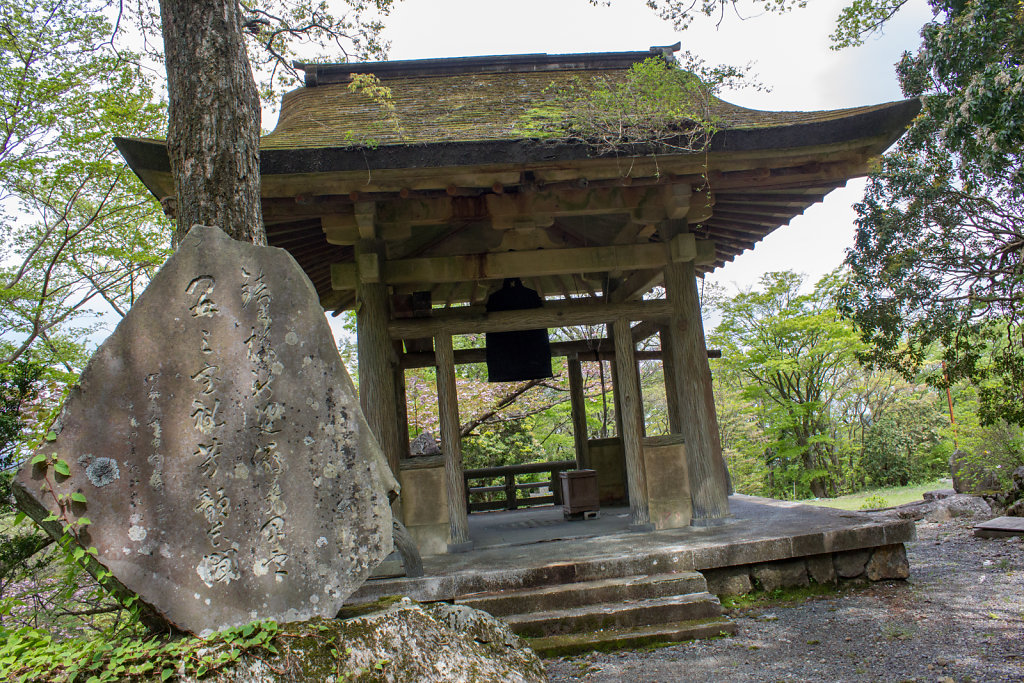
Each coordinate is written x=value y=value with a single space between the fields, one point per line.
x=465 y=547
x=708 y=522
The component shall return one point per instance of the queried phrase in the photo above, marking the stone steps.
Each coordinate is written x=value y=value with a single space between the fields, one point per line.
x=608 y=613
x=504 y=603
x=617 y=639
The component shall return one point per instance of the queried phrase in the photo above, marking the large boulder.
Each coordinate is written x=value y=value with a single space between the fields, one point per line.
x=969 y=474
x=960 y=505
x=216 y=444
x=404 y=643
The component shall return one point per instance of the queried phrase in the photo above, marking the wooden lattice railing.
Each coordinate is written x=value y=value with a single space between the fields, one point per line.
x=508 y=491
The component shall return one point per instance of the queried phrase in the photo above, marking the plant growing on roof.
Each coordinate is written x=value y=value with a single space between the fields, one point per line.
x=656 y=104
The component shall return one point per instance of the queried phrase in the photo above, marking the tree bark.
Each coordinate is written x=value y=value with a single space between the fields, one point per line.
x=214 y=132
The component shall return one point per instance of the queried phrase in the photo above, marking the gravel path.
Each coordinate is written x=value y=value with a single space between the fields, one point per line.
x=960 y=617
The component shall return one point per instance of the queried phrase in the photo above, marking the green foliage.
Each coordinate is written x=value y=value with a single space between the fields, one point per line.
x=862 y=18
x=938 y=259
x=874 y=502
x=505 y=443
x=76 y=226
x=986 y=450
x=19 y=386
x=371 y=87
x=901 y=446
x=657 y=103
x=855 y=23
x=791 y=354
x=798 y=415
x=29 y=654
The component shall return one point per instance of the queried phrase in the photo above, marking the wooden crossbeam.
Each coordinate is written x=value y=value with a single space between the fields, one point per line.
x=533 y=263
x=586 y=350
x=562 y=314
x=394 y=218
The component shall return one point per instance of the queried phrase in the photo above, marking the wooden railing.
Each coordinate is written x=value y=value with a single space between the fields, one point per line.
x=509 y=489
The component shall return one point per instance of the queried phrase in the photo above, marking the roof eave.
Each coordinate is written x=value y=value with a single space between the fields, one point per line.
x=882 y=126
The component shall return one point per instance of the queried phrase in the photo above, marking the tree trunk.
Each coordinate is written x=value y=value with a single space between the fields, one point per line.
x=214 y=131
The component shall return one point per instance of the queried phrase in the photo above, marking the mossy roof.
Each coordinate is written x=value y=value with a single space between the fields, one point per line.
x=462 y=101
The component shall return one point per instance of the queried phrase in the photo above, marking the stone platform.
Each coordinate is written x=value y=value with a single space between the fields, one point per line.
x=536 y=547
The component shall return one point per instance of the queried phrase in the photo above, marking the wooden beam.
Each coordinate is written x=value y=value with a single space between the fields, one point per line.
x=533 y=263
x=451 y=446
x=643 y=330
x=629 y=404
x=587 y=202
x=586 y=350
x=496 y=266
x=553 y=314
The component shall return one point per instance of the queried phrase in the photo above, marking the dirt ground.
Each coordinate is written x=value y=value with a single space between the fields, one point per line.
x=960 y=617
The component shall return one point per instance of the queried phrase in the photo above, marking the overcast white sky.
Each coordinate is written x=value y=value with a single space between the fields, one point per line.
x=790 y=54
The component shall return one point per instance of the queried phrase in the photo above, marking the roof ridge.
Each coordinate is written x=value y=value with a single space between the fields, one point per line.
x=322 y=74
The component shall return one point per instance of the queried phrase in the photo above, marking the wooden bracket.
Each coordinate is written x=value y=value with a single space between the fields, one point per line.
x=365 y=214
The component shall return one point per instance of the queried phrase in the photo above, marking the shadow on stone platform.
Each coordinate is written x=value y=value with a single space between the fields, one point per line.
x=536 y=547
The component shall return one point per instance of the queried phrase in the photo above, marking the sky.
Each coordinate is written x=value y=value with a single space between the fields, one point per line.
x=789 y=54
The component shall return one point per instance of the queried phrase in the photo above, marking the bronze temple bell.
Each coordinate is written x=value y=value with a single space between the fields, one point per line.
x=519 y=355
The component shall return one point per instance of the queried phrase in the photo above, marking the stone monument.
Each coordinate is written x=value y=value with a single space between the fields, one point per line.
x=216 y=445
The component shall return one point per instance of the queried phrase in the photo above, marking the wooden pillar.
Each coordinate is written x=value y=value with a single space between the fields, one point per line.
x=708 y=483
x=451 y=446
x=668 y=372
x=401 y=407
x=613 y=367
x=629 y=405
x=577 y=399
x=377 y=364
x=716 y=436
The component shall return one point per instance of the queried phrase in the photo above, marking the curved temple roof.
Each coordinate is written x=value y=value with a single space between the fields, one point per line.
x=453 y=171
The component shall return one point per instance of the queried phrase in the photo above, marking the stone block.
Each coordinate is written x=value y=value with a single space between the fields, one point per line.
x=809 y=544
x=780 y=574
x=850 y=564
x=424 y=496
x=888 y=562
x=668 y=485
x=219 y=447
x=729 y=581
x=608 y=460
x=852 y=538
x=820 y=569
x=431 y=539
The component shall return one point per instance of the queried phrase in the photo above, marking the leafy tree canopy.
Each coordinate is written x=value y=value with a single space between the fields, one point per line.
x=793 y=354
x=77 y=227
x=939 y=252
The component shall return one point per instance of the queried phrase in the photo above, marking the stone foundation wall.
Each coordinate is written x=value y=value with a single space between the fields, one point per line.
x=869 y=564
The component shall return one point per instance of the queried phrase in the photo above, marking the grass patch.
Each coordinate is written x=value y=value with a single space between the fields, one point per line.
x=781 y=597
x=891 y=496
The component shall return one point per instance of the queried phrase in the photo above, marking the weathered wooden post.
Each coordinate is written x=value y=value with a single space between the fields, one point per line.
x=577 y=399
x=376 y=359
x=451 y=446
x=689 y=361
x=628 y=405
x=668 y=372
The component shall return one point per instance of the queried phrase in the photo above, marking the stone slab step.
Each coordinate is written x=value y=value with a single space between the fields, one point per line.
x=532 y=600
x=614 y=639
x=1000 y=527
x=616 y=615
